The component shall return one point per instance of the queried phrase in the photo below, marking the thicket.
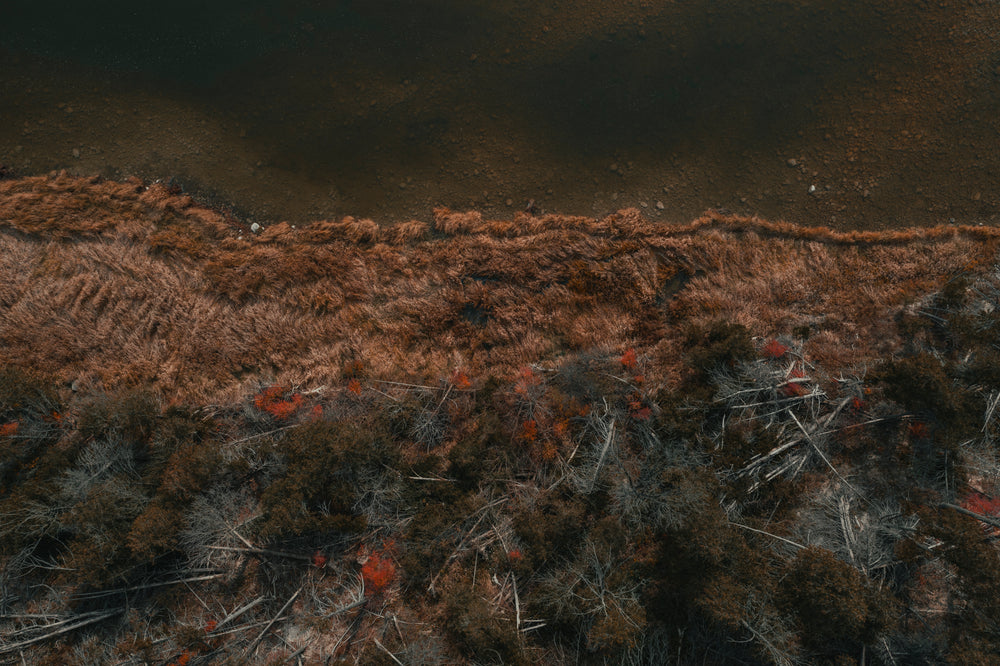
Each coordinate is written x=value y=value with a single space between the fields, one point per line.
x=758 y=511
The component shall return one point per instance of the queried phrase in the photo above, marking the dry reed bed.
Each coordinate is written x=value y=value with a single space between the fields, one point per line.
x=123 y=284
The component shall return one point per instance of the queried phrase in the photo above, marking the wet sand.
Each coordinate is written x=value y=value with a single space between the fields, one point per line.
x=867 y=115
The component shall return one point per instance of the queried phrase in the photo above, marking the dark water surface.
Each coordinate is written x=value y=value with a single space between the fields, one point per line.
x=855 y=114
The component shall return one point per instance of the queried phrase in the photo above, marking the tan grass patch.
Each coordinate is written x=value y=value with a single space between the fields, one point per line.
x=138 y=286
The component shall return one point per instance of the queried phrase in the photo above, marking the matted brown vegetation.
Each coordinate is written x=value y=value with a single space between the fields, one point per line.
x=125 y=284
x=541 y=440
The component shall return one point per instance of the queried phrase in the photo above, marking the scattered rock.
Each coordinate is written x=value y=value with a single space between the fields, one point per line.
x=255 y=227
x=659 y=204
x=76 y=153
x=792 y=162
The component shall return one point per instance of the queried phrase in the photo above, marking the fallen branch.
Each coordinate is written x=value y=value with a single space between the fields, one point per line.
x=261 y=635
x=125 y=590
x=14 y=647
x=386 y=650
x=972 y=514
x=263 y=551
x=773 y=536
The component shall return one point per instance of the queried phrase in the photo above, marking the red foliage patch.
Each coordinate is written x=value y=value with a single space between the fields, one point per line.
x=9 y=429
x=637 y=409
x=529 y=430
x=918 y=430
x=319 y=560
x=774 y=349
x=378 y=570
x=354 y=386
x=272 y=400
x=629 y=359
x=460 y=379
x=982 y=504
x=527 y=382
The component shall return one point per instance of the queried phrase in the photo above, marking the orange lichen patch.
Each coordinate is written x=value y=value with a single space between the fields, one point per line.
x=219 y=313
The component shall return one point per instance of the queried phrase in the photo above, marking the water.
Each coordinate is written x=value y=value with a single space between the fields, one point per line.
x=854 y=114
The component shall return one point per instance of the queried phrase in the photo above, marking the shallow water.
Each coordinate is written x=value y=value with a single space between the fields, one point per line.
x=852 y=114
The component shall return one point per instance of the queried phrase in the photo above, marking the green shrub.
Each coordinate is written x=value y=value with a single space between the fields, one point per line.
x=319 y=488
x=130 y=416
x=835 y=605
x=478 y=630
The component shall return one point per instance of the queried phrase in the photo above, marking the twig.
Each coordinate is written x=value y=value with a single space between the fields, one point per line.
x=773 y=536
x=604 y=451
x=235 y=614
x=260 y=636
x=263 y=434
x=458 y=548
x=989 y=412
x=386 y=650
x=263 y=551
x=517 y=602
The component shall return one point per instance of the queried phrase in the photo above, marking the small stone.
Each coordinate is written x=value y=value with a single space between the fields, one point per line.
x=644 y=204
x=792 y=162
x=76 y=152
x=659 y=204
x=510 y=202
x=613 y=167
x=255 y=227
x=977 y=196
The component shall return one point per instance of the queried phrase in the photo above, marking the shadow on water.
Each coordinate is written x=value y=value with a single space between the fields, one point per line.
x=727 y=69
x=365 y=103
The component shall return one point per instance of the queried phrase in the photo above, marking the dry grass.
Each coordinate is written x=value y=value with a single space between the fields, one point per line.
x=129 y=285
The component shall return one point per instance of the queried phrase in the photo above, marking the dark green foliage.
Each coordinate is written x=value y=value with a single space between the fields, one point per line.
x=723 y=344
x=317 y=492
x=921 y=385
x=475 y=456
x=30 y=421
x=478 y=631
x=974 y=626
x=837 y=608
x=432 y=533
x=130 y=416
x=550 y=526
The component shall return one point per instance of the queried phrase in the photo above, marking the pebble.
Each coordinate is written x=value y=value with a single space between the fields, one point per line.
x=659 y=204
x=255 y=227
x=792 y=162
x=510 y=202
x=76 y=152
